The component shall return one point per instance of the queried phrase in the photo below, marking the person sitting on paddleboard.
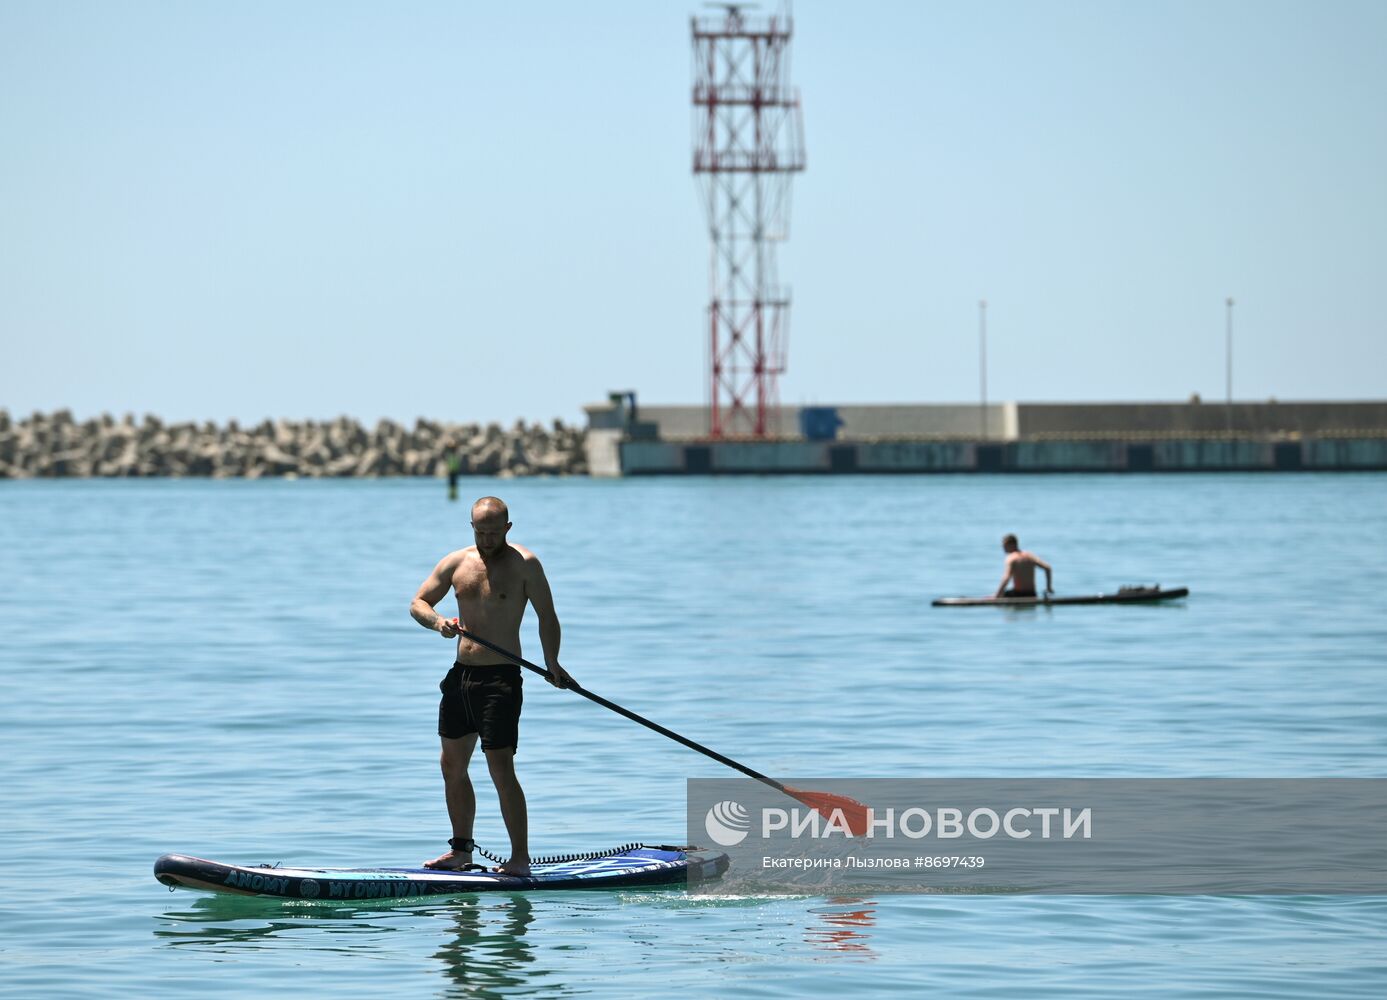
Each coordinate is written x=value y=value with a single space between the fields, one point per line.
x=1021 y=571
x=493 y=581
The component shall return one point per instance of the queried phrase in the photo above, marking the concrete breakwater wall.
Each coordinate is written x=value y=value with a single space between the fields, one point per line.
x=1031 y=421
x=50 y=445
x=646 y=458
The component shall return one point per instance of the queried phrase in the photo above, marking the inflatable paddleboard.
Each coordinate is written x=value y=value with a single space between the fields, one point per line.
x=623 y=867
x=1126 y=595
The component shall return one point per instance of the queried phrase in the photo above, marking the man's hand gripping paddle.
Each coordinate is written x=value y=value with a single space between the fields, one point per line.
x=853 y=814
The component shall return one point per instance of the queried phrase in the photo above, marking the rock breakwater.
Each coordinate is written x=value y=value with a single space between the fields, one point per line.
x=54 y=445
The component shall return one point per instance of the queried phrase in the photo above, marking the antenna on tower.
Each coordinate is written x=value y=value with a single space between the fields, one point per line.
x=748 y=141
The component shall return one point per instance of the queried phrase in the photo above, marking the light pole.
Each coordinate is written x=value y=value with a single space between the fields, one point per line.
x=1228 y=368
x=982 y=364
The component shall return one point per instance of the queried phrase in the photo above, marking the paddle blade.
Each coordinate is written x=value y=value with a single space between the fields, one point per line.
x=839 y=808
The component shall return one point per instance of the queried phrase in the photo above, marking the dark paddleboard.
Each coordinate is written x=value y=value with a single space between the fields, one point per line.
x=1127 y=595
x=626 y=867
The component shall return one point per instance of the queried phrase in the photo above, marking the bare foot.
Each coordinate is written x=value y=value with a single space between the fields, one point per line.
x=513 y=867
x=451 y=861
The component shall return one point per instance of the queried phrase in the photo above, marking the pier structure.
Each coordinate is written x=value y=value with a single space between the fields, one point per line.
x=748 y=142
x=998 y=438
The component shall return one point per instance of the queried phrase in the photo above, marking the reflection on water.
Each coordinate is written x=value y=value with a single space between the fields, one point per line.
x=484 y=952
x=842 y=926
x=488 y=951
x=224 y=923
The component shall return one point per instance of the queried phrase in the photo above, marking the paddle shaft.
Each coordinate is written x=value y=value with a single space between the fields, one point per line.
x=575 y=686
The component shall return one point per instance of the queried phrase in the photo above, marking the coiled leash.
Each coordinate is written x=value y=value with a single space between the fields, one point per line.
x=466 y=845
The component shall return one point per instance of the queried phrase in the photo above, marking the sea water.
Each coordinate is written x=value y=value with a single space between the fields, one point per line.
x=228 y=669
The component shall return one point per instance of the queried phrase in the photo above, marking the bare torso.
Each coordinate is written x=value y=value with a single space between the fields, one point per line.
x=1022 y=565
x=491 y=596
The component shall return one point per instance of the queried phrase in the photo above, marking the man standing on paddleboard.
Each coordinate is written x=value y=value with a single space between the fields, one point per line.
x=1020 y=571
x=493 y=581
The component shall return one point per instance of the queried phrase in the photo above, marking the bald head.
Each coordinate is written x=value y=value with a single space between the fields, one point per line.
x=490 y=522
x=490 y=509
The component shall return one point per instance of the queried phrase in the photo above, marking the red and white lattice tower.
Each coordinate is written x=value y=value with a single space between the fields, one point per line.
x=748 y=141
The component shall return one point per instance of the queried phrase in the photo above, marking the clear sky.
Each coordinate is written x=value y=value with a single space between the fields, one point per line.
x=484 y=211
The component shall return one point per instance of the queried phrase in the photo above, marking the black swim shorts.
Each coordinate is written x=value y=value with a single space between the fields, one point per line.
x=1019 y=593
x=483 y=700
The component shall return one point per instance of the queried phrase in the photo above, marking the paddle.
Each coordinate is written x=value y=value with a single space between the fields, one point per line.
x=854 y=813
